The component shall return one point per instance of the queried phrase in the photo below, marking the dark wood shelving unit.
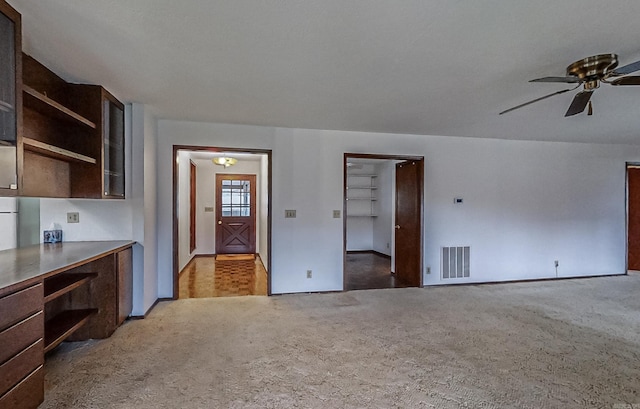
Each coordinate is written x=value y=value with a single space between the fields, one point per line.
x=64 y=324
x=55 y=152
x=42 y=103
x=61 y=284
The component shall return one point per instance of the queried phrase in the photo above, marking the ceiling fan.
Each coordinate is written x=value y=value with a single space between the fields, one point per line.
x=589 y=73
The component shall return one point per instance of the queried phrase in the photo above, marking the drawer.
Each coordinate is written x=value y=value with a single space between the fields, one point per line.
x=18 y=306
x=15 y=369
x=28 y=394
x=16 y=338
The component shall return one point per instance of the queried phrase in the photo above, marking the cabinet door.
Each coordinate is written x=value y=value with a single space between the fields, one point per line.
x=113 y=149
x=125 y=285
x=9 y=54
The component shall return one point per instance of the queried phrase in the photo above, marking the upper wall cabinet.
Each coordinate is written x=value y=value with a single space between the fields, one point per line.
x=10 y=101
x=73 y=137
x=113 y=150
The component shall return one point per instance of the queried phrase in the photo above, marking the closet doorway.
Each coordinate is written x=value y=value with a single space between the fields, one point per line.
x=383 y=213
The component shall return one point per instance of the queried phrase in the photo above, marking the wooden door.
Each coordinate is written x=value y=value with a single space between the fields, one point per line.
x=408 y=228
x=192 y=207
x=236 y=213
x=633 y=218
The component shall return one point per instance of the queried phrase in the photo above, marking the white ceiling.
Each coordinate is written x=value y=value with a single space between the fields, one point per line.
x=422 y=66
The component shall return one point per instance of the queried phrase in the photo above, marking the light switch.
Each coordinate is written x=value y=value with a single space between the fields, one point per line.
x=289 y=214
x=336 y=214
x=208 y=209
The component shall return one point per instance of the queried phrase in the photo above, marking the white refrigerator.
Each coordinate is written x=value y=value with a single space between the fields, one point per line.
x=8 y=223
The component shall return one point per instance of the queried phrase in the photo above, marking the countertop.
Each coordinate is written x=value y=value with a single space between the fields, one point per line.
x=28 y=263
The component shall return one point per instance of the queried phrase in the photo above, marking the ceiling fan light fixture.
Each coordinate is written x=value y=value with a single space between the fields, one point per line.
x=224 y=161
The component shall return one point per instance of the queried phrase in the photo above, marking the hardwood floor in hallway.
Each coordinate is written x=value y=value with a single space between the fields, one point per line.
x=206 y=277
x=367 y=271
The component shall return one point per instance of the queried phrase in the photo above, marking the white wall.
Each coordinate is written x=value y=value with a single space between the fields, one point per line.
x=142 y=136
x=383 y=224
x=526 y=204
x=99 y=219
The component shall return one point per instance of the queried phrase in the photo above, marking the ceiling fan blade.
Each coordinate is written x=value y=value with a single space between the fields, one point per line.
x=535 y=100
x=627 y=69
x=570 y=79
x=626 y=81
x=579 y=103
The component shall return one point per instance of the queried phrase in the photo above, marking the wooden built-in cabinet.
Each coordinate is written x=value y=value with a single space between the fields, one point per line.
x=22 y=352
x=84 y=300
x=73 y=137
x=57 y=139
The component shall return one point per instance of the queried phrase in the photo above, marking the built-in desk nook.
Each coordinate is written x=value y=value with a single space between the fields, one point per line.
x=52 y=293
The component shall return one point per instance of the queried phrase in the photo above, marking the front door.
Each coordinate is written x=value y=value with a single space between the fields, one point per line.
x=408 y=226
x=236 y=213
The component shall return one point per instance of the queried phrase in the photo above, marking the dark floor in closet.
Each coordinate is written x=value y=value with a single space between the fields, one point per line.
x=366 y=271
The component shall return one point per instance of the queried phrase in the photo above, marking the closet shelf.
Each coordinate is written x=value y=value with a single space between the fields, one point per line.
x=63 y=325
x=42 y=103
x=61 y=284
x=55 y=152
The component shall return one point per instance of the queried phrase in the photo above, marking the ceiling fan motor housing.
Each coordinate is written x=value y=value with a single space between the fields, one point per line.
x=592 y=69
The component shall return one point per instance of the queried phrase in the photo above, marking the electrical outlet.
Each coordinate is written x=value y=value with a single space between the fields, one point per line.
x=556 y=263
x=289 y=214
x=73 y=217
x=336 y=214
x=428 y=270
x=309 y=273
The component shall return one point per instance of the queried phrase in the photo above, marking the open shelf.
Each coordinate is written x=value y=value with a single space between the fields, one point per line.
x=362 y=187
x=55 y=152
x=60 y=284
x=362 y=215
x=63 y=325
x=370 y=199
x=42 y=103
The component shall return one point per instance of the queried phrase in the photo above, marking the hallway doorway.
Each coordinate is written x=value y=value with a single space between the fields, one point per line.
x=382 y=221
x=228 y=212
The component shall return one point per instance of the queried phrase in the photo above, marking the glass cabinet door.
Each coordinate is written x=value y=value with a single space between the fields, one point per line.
x=8 y=117
x=113 y=149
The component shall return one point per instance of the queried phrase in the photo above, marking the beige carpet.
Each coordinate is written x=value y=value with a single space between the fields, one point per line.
x=562 y=344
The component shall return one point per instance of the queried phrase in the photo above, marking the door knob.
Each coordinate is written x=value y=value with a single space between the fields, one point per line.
x=397 y=226
x=219 y=221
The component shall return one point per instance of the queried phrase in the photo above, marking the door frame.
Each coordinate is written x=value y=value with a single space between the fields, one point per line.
x=252 y=206
x=345 y=158
x=216 y=149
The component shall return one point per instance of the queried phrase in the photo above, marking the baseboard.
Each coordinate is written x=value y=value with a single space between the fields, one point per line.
x=141 y=317
x=377 y=253
x=524 y=280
